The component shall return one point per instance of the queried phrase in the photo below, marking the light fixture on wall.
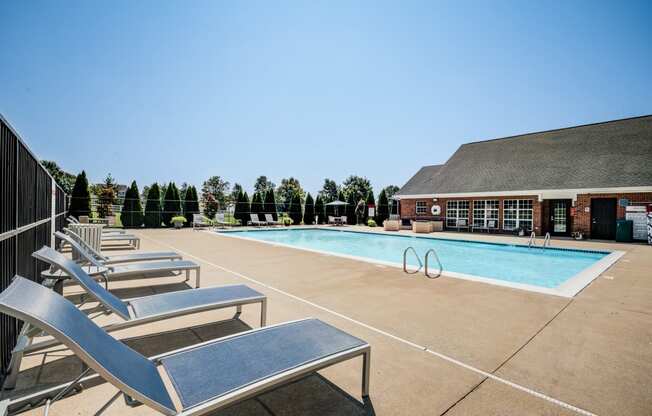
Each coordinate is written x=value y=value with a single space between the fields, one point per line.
x=434 y=199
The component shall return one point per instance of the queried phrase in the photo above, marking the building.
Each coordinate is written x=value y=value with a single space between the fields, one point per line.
x=576 y=179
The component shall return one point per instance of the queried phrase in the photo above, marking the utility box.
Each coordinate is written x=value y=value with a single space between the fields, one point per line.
x=624 y=230
x=638 y=214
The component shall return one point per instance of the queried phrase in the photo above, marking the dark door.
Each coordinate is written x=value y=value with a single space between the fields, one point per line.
x=603 y=218
x=560 y=216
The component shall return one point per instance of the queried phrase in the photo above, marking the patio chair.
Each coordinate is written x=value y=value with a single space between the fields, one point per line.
x=269 y=218
x=331 y=220
x=255 y=221
x=204 y=377
x=199 y=221
x=71 y=238
x=108 y=272
x=73 y=220
x=132 y=240
x=462 y=224
x=343 y=220
x=220 y=220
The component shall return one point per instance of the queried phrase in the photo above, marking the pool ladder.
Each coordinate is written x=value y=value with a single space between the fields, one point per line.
x=426 y=270
x=533 y=241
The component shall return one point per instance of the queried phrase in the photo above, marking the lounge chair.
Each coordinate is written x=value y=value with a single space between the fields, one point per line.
x=491 y=226
x=269 y=218
x=73 y=220
x=71 y=238
x=462 y=224
x=199 y=221
x=132 y=240
x=255 y=221
x=220 y=221
x=108 y=272
x=204 y=377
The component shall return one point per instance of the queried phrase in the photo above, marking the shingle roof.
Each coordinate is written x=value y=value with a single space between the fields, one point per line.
x=603 y=155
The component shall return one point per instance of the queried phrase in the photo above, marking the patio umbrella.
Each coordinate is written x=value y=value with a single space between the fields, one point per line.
x=337 y=204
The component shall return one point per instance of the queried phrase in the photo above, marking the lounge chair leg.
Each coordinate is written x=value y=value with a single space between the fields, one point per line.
x=366 y=372
x=24 y=340
x=197 y=281
x=108 y=404
x=238 y=312
x=187 y=275
x=263 y=312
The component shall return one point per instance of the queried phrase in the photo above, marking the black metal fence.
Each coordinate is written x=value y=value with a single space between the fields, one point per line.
x=31 y=205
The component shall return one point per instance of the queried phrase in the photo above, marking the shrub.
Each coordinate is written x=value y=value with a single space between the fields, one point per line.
x=270 y=204
x=350 y=210
x=309 y=211
x=80 y=203
x=153 y=207
x=382 y=211
x=132 y=210
x=370 y=201
x=178 y=218
x=190 y=204
x=287 y=221
x=371 y=223
x=171 y=204
x=295 y=209
x=319 y=210
x=257 y=204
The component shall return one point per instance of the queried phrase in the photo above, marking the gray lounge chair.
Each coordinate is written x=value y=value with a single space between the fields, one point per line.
x=132 y=240
x=220 y=221
x=269 y=218
x=199 y=221
x=72 y=238
x=146 y=309
x=206 y=376
x=255 y=221
x=73 y=220
x=147 y=269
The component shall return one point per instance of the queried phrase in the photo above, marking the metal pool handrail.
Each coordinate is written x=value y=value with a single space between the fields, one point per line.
x=441 y=268
x=405 y=260
x=532 y=241
x=546 y=241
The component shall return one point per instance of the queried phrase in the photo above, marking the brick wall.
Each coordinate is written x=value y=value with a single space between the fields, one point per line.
x=408 y=208
x=582 y=219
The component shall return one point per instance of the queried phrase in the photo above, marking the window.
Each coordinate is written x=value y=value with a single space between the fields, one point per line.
x=485 y=214
x=456 y=210
x=517 y=214
x=422 y=209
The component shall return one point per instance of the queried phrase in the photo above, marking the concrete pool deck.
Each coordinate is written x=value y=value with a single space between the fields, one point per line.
x=443 y=346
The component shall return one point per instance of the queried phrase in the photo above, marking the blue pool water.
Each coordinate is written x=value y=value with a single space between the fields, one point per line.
x=544 y=268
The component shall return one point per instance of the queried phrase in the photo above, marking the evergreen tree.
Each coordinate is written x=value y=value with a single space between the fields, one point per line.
x=80 y=203
x=309 y=210
x=171 y=204
x=190 y=204
x=257 y=205
x=294 y=211
x=370 y=201
x=382 y=210
x=319 y=210
x=245 y=206
x=270 y=204
x=153 y=207
x=350 y=209
x=132 y=210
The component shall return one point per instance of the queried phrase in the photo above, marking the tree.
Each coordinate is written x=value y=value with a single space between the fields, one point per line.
x=218 y=188
x=319 y=210
x=238 y=211
x=245 y=207
x=350 y=209
x=257 y=204
x=309 y=210
x=80 y=203
x=190 y=204
x=64 y=179
x=294 y=210
x=171 y=204
x=235 y=193
x=106 y=197
x=370 y=201
x=286 y=190
x=358 y=186
x=329 y=191
x=263 y=185
x=183 y=190
x=211 y=206
x=270 y=204
x=382 y=210
x=132 y=210
x=391 y=190
x=153 y=207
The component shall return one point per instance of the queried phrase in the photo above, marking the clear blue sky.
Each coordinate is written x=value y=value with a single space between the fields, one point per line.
x=161 y=90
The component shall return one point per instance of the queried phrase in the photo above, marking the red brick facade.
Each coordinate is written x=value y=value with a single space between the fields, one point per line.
x=580 y=221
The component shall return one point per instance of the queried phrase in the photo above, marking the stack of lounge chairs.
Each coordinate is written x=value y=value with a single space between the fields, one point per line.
x=204 y=377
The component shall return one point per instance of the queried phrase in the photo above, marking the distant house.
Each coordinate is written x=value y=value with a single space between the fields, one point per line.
x=558 y=181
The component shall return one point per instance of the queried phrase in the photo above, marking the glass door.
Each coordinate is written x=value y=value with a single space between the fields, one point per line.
x=559 y=213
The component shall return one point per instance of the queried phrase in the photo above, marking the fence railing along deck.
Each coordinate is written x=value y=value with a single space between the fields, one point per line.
x=32 y=207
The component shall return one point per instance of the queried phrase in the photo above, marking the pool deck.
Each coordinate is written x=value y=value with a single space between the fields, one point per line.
x=443 y=346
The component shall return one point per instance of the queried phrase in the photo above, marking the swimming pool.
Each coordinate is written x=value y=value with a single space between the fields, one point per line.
x=562 y=272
